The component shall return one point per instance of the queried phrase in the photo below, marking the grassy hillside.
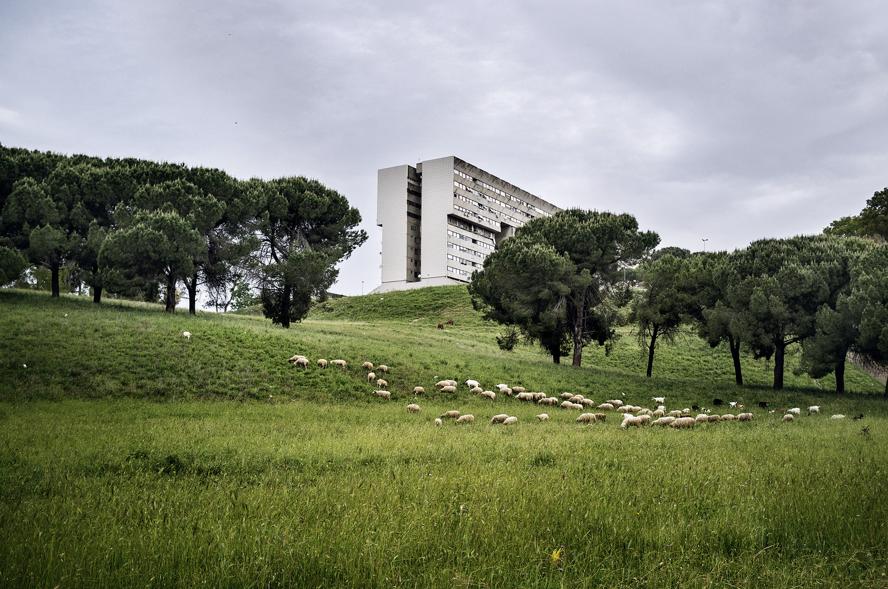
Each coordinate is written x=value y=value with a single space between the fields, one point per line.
x=308 y=480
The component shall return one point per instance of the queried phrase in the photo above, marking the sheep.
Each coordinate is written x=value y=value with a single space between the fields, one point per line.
x=732 y=404
x=472 y=384
x=438 y=422
x=413 y=408
x=744 y=417
x=383 y=394
x=445 y=383
x=498 y=418
x=476 y=390
x=467 y=418
x=322 y=363
x=624 y=409
x=418 y=391
x=661 y=408
x=518 y=389
x=550 y=401
x=489 y=395
x=714 y=418
x=586 y=418
x=566 y=396
x=371 y=376
x=367 y=365
x=448 y=389
x=382 y=383
x=615 y=402
x=635 y=421
x=501 y=386
x=507 y=391
x=587 y=403
x=341 y=363
x=538 y=396
x=788 y=417
x=658 y=413
x=728 y=417
x=606 y=406
x=576 y=399
x=565 y=405
x=510 y=420
x=645 y=411
x=675 y=413
x=837 y=416
x=813 y=409
x=524 y=397
x=452 y=414
x=543 y=417
x=683 y=423
x=600 y=416
x=382 y=368
x=663 y=421
x=292 y=359
x=794 y=411
x=186 y=335
x=658 y=400
x=576 y=406
x=301 y=362
x=701 y=418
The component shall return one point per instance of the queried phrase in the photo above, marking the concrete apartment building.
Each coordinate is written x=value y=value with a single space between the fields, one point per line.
x=442 y=217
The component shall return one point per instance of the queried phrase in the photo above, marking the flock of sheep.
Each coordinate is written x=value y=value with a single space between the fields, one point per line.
x=631 y=415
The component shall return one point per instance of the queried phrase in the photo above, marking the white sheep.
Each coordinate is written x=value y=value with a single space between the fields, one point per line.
x=615 y=402
x=524 y=397
x=510 y=420
x=445 y=383
x=576 y=398
x=292 y=359
x=339 y=362
x=663 y=421
x=538 y=396
x=448 y=389
x=476 y=390
x=371 y=376
x=382 y=368
x=658 y=400
x=587 y=403
x=438 y=422
x=728 y=417
x=382 y=383
x=566 y=405
x=788 y=417
x=714 y=418
x=586 y=418
x=658 y=414
x=550 y=401
x=413 y=408
x=186 y=335
x=683 y=423
x=813 y=409
x=576 y=406
x=675 y=413
x=498 y=418
x=301 y=362
x=502 y=386
x=600 y=417
x=606 y=406
x=634 y=421
x=452 y=414
x=837 y=416
x=744 y=417
x=472 y=383
x=322 y=363
x=645 y=411
x=418 y=390
x=489 y=395
x=507 y=391
x=701 y=418
x=566 y=396
x=794 y=411
x=543 y=417
x=518 y=389
x=467 y=418
x=367 y=365
x=383 y=394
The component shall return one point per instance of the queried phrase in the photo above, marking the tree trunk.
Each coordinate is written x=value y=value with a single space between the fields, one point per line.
x=886 y=387
x=651 y=345
x=556 y=358
x=840 y=376
x=97 y=294
x=54 y=280
x=285 y=307
x=191 y=285
x=170 y=297
x=779 y=353
x=577 y=334
x=735 y=356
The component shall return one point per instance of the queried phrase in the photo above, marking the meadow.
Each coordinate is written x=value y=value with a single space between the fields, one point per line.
x=130 y=456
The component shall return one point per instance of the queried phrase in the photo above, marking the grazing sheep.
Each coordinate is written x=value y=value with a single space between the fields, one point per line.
x=518 y=389
x=624 y=409
x=538 y=396
x=448 y=389
x=413 y=408
x=186 y=334
x=543 y=417
x=367 y=365
x=663 y=421
x=382 y=368
x=502 y=386
x=586 y=418
x=744 y=417
x=476 y=390
x=701 y=418
x=837 y=416
x=661 y=408
x=382 y=383
x=635 y=421
x=383 y=394
x=341 y=363
x=576 y=406
x=524 y=397
x=301 y=362
x=606 y=406
x=566 y=396
x=714 y=418
x=565 y=405
x=683 y=423
x=576 y=399
x=788 y=417
x=371 y=376
x=550 y=401
x=418 y=391
x=658 y=413
x=615 y=402
x=322 y=363
x=507 y=391
x=467 y=418
x=498 y=418
x=510 y=420
x=794 y=411
x=587 y=403
x=645 y=411
x=438 y=422
x=452 y=414
x=292 y=359
x=813 y=409
x=472 y=384
x=488 y=395
x=676 y=413
x=658 y=400
x=445 y=383
x=728 y=417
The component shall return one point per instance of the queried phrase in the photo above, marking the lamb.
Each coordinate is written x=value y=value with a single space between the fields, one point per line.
x=683 y=423
x=341 y=363
x=322 y=363
x=467 y=418
x=511 y=420
x=382 y=368
x=448 y=389
x=498 y=418
x=744 y=417
x=367 y=365
x=413 y=408
x=383 y=394
x=794 y=411
x=438 y=422
x=371 y=376
x=489 y=395
x=472 y=384
x=837 y=416
x=418 y=391
x=382 y=383
x=788 y=417
x=813 y=409
x=586 y=418
x=186 y=335
x=663 y=421
x=606 y=406
x=452 y=414
x=658 y=400
x=543 y=417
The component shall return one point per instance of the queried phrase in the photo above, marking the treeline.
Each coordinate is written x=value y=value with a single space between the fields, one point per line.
x=571 y=279
x=139 y=229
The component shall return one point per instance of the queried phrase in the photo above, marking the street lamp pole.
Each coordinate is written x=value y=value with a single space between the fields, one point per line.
x=704 y=239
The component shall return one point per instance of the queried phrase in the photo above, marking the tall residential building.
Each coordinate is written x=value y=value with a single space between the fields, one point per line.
x=442 y=217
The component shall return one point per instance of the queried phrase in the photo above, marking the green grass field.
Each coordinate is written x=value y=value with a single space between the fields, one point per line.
x=130 y=456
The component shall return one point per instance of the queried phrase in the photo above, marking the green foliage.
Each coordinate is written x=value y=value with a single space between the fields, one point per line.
x=12 y=264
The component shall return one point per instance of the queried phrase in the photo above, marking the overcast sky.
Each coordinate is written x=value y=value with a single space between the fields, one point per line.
x=725 y=120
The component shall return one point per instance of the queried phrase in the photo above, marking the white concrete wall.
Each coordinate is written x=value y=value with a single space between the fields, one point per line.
x=437 y=203
x=391 y=215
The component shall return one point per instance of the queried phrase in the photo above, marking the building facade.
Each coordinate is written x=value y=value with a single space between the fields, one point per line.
x=442 y=217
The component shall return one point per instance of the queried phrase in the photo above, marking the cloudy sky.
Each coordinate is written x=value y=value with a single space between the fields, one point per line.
x=722 y=120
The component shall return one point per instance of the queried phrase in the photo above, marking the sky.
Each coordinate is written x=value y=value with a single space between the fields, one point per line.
x=720 y=120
